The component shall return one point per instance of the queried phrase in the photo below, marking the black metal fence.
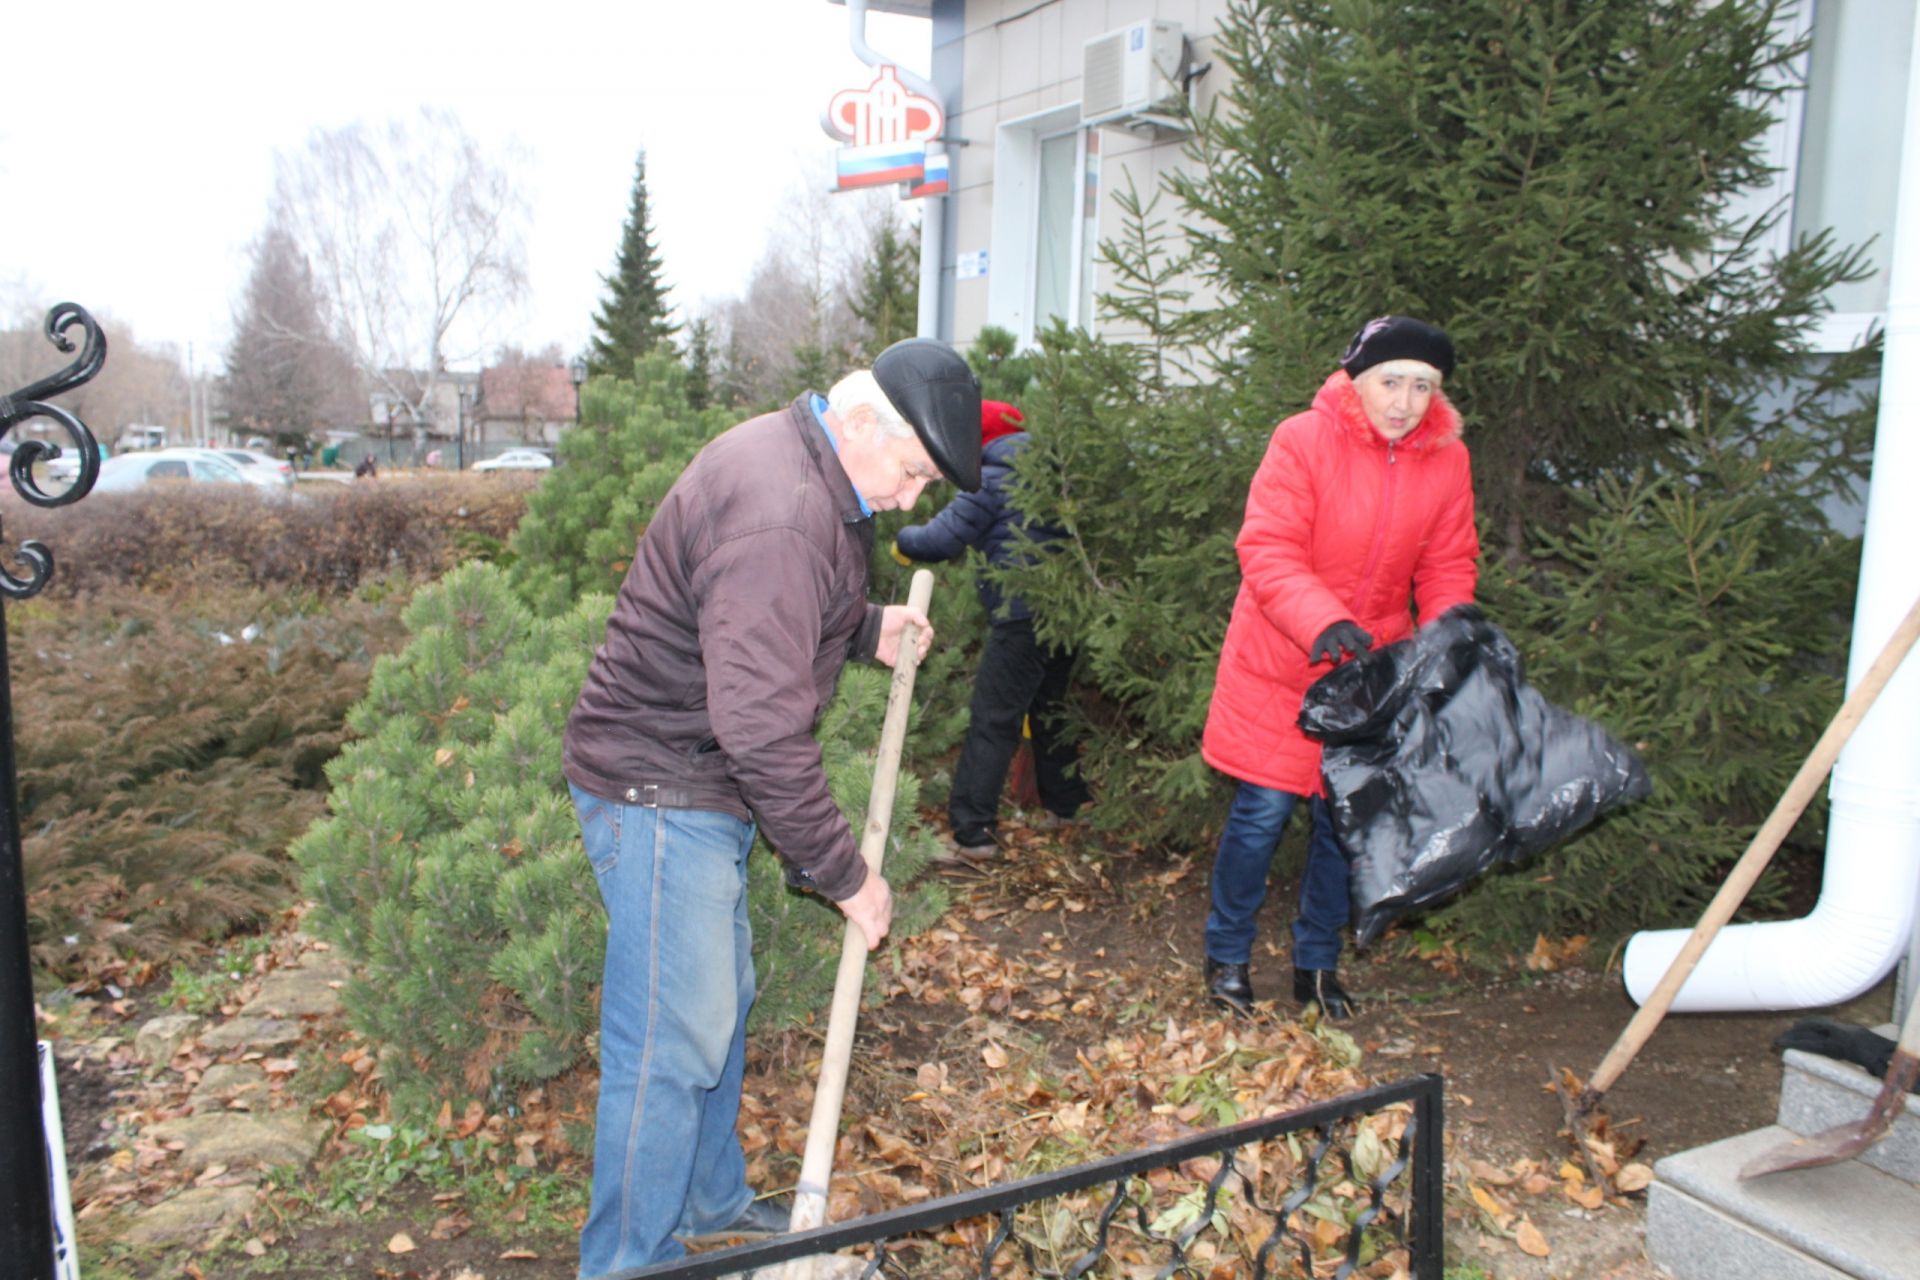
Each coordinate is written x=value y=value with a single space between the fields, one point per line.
x=28 y=1246
x=1295 y=1207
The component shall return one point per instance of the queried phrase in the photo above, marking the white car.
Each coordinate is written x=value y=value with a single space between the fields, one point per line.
x=261 y=468
x=259 y=477
x=67 y=465
x=516 y=460
x=126 y=472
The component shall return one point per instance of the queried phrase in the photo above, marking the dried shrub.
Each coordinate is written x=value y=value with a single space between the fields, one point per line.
x=321 y=537
x=170 y=745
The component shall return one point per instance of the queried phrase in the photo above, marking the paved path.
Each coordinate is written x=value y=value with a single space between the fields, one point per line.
x=236 y=1124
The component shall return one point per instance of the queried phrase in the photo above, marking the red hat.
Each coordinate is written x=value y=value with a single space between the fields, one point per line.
x=998 y=418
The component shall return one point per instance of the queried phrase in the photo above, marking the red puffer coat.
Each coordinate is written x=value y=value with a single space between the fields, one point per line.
x=1341 y=524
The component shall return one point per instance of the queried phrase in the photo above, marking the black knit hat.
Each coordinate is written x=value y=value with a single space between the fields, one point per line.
x=934 y=390
x=1398 y=338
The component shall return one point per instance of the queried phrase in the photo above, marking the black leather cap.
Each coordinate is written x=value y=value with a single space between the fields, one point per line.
x=934 y=390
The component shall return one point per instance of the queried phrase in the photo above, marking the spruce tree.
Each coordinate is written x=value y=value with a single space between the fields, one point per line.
x=287 y=377
x=1694 y=613
x=1652 y=441
x=632 y=319
x=701 y=374
x=1004 y=371
x=1550 y=182
x=886 y=297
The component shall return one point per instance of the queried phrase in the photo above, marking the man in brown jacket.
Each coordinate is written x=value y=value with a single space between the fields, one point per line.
x=747 y=595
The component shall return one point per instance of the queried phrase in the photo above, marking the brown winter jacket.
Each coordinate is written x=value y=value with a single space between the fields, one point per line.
x=747 y=595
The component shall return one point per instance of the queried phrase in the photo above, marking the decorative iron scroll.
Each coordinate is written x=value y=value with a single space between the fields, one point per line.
x=31 y=401
x=1160 y=1210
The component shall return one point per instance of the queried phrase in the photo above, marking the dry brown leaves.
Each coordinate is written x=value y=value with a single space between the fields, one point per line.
x=1031 y=1066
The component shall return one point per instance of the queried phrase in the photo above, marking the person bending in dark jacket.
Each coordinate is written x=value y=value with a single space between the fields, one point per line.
x=746 y=596
x=1019 y=677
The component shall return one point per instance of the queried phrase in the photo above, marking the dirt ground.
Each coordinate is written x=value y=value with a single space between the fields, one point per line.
x=1497 y=1038
x=1118 y=938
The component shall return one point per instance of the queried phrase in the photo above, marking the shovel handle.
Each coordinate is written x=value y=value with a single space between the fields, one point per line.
x=1799 y=793
x=816 y=1165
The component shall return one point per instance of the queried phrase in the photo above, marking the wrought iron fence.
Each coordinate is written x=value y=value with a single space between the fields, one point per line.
x=1275 y=1204
x=28 y=1242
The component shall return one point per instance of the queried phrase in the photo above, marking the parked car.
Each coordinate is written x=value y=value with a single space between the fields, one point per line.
x=67 y=465
x=127 y=472
x=516 y=460
x=265 y=478
x=260 y=467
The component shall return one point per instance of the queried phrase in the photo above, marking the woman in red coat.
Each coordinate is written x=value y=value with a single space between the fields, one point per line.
x=1361 y=511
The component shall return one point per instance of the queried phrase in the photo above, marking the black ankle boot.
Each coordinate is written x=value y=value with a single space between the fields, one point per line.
x=1230 y=987
x=1322 y=987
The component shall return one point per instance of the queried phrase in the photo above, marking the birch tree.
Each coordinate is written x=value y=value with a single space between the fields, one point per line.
x=414 y=234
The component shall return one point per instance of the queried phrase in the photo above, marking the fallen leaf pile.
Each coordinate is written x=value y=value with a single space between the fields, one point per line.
x=1027 y=1032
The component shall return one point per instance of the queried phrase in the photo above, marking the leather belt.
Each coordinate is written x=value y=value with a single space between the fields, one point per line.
x=657 y=797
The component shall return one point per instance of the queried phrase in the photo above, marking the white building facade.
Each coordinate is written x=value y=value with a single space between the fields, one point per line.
x=1039 y=147
x=1043 y=132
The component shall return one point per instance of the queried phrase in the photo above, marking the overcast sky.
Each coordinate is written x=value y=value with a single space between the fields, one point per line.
x=137 y=141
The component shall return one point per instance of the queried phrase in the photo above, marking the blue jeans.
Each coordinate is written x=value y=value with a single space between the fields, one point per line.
x=673 y=1022
x=1240 y=868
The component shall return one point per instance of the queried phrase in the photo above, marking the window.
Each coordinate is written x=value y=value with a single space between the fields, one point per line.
x=167 y=469
x=1063 y=235
x=1849 y=167
x=1045 y=233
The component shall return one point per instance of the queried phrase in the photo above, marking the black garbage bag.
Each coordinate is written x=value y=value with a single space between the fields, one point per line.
x=1441 y=762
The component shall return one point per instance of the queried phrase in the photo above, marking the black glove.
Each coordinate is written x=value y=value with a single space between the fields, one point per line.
x=1341 y=635
x=1829 y=1039
x=799 y=879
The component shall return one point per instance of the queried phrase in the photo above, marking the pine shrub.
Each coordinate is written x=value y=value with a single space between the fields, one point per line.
x=450 y=868
x=634 y=440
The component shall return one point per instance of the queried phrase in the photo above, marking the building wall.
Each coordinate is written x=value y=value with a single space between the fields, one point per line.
x=1004 y=64
x=1014 y=62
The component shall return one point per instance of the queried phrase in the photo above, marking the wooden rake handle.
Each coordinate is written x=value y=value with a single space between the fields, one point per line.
x=816 y=1165
x=1793 y=802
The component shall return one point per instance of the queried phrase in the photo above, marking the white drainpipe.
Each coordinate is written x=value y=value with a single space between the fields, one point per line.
x=1861 y=925
x=933 y=226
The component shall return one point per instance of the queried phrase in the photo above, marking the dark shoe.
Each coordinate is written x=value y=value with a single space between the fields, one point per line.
x=970 y=848
x=760 y=1220
x=1230 y=987
x=1322 y=987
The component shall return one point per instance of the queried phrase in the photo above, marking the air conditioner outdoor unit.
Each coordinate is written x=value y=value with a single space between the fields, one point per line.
x=1133 y=72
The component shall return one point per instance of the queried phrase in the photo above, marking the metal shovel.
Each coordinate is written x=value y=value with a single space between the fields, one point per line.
x=1844 y=1141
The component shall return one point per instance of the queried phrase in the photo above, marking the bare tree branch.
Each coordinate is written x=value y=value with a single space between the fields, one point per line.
x=416 y=238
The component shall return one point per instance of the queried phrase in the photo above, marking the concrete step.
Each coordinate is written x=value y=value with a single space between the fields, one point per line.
x=1817 y=1093
x=1839 y=1220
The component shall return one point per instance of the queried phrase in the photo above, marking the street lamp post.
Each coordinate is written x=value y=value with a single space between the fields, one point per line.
x=577 y=370
x=460 y=429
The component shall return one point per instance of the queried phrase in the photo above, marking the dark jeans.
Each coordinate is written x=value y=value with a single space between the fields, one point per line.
x=1240 y=867
x=1019 y=679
